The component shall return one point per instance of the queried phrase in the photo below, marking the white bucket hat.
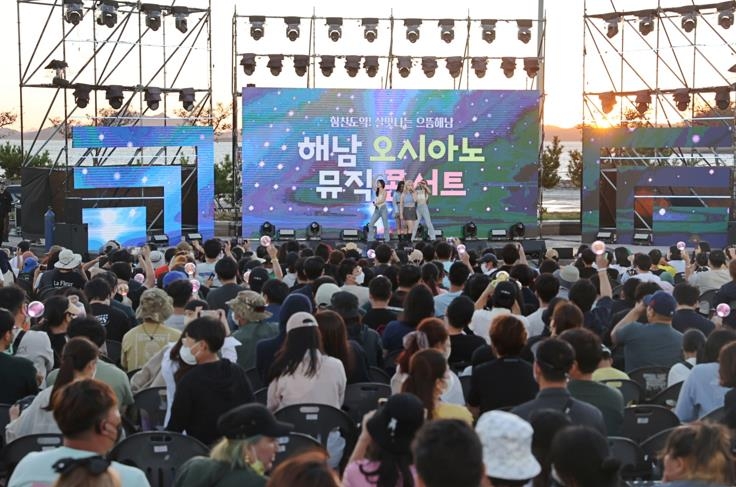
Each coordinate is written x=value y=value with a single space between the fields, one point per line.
x=507 y=446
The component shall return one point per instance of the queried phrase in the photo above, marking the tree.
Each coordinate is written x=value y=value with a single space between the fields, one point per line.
x=12 y=158
x=224 y=179
x=7 y=118
x=551 y=164
x=219 y=118
x=575 y=168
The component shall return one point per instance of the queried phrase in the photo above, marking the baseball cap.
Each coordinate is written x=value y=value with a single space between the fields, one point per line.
x=661 y=302
x=488 y=257
x=257 y=278
x=345 y=304
x=300 y=320
x=172 y=276
x=252 y=420
x=323 y=296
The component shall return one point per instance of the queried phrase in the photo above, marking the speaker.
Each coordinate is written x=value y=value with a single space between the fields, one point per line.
x=535 y=249
x=72 y=236
x=73 y=210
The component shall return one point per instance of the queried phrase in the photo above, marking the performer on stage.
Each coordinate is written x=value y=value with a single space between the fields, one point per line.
x=6 y=206
x=396 y=203
x=379 y=211
x=421 y=196
x=408 y=208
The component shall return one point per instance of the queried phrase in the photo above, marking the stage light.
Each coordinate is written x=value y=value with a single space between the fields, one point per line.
x=643 y=238
x=517 y=231
x=470 y=231
x=153 y=16
x=412 y=29
x=248 y=61
x=74 y=11
x=682 y=98
x=256 y=26
x=326 y=65
x=180 y=18
x=447 y=29
x=612 y=26
x=115 y=95
x=643 y=99
x=108 y=14
x=286 y=234
x=352 y=65
x=498 y=235
x=370 y=29
x=152 y=97
x=160 y=239
x=525 y=30
x=508 y=64
x=725 y=17
x=59 y=68
x=689 y=21
x=479 y=65
x=439 y=234
x=314 y=231
x=606 y=236
x=292 y=28
x=192 y=237
x=723 y=97
x=187 y=98
x=334 y=28
x=301 y=63
x=488 y=27
x=371 y=66
x=81 y=94
x=267 y=229
x=531 y=66
x=608 y=100
x=275 y=63
x=429 y=65
x=646 y=24
x=404 y=65
x=454 y=65
x=351 y=235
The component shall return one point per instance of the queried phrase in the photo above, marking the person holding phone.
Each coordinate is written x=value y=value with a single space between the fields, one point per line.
x=421 y=196
x=379 y=211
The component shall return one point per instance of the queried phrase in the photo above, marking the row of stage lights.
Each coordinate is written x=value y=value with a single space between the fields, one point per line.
x=404 y=64
x=681 y=98
x=370 y=28
x=688 y=19
x=108 y=14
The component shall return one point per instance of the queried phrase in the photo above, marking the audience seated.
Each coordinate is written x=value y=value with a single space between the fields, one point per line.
x=580 y=456
x=419 y=305
x=693 y=345
x=308 y=469
x=546 y=287
x=546 y=423
x=698 y=454
x=17 y=374
x=26 y=343
x=346 y=305
x=379 y=294
x=686 y=316
x=335 y=344
x=462 y=344
x=716 y=276
x=727 y=378
x=253 y=320
x=447 y=452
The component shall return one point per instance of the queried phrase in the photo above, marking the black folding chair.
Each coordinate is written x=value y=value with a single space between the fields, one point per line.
x=114 y=350
x=652 y=379
x=4 y=420
x=14 y=451
x=318 y=420
x=465 y=383
x=668 y=397
x=151 y=406
x=630 y=389
x=293 y=444
x=706 y=302
x=652 y=448
x=261 y=395
x=634 y=465
x=643 y=421
x=158 y=454
x=716 y=416
x=255 y=379
x=379 y=375
x=363 y=397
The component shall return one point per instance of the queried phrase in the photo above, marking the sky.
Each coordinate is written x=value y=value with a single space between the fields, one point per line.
x=563 y=84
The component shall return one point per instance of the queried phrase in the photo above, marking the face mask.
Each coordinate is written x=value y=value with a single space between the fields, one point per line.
x=487 y=271
x=186 y=355
x=359 y=279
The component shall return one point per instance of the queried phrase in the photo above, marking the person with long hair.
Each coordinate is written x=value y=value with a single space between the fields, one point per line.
x=78 y=361
x=57 y=314
x=382 y=456
x=336 y=344
x=307 y=469
x=580 y=457
x=727 y=378
x=379 y=211
x=408 y=208
x=428 y=380
x=431 y=278
x=698 y=454
x=419 y=304
x=421 y=197
x=396 y=198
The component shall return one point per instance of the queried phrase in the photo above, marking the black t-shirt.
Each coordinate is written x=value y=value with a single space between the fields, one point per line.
x=115 y=322
x=56 y=279
x=684 y=319
x=18 y=378
x=504 y=382
x=463 y=347
x=58 y=341
x=375 y=318
x=397 y=299
x=218 y=297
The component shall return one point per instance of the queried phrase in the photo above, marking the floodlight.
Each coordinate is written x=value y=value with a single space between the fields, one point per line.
x=429 y=65
x=723 y=97
x=334 y=28
x=525 y=30
x=447 y=29
x=412 y=29
x=608 y=100
x=352 y=65
x=643 y=99
x=689 y=21
x=682 y=98
x=153 y=15
x=81 y=94
x=517 y=231
x=612 y=26
x=115 y=96
x=370 y=26
x=470 y=231
x=108 y=14
x=508 y=64
x=292 y=28
x=642 y=238
x=152 y=97
x=725 y=17
x=314 y=231
x=498 y=234
x=454 y=65
x=248 y=62
x=256 y=26
x=404 y=65
x=191 y=237
x=351 y=235
x=74 y=11
x=327 y=64
x=275 y=63
x=160 y=239
x=180 y=18
x=59 y=67
x=286 y=234
x=606 y=236
x=646 y=24
x=479 y=65
x=267 y=229
x=531 y=66
x=301 y=63
x=371 y=66
x=488 y=26
x=187 y=97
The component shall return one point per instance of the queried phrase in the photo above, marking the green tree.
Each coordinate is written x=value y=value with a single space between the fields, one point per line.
x=12 y=158
x=224 y=179
x=575 y=168
x=551 y=163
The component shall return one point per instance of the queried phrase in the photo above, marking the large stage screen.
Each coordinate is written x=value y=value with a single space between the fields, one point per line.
x=315 y=154
x=125 y=225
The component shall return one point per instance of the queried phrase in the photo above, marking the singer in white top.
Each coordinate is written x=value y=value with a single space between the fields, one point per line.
x=421 y=197
x=379 y=211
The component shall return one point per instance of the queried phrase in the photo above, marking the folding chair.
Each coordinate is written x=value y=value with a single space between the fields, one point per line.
x=652 y=448
x=652 y=379
x=379 y=375
x=14 y=451
x=634 y=464
x=363 y=397
x=630 y=389
x=643 y=421
x=668 y=397
x=293 y=444
x=151 y=404
x=255 y=379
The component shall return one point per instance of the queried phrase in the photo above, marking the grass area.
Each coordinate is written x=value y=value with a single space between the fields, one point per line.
x=561 y=215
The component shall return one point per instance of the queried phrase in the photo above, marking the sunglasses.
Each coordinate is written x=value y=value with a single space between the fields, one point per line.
x=95 y=465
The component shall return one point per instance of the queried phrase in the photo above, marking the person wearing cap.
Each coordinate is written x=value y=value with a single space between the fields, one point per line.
x=506 y=301
x=507 y=449
x=243 y=456
x=323 y=296
x=487 y=263
x=606 y=370
x=24 y=280
x=249 y=311
x=655 y=343
x=64 y=274
x=351 y=275
x=567 y=275
x=382 y=455
x=301 y=372
x=346 y=305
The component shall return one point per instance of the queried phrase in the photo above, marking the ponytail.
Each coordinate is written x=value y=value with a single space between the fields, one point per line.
x=77 y=354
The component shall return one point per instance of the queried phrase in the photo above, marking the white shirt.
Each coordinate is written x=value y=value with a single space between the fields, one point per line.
x=326 y=386
x=482 y=319
x=710 y=280
x=360 y=292
x=649 y=277
x=36 y=347
x=679 y=372
x=34 y=419
x=536 y=325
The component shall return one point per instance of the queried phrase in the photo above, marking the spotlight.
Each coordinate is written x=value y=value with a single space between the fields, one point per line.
x=689 y=21
x=371 y=66
x=488 y=26
x=412 y=29
x=160 y=239
x=404 y=65
x=248 y=62
x=286 y=234
x=470 y=231
x=498 y=235
x=531 y=66
x=508 y=64
x=612 y=26
x=152 y=97
x=275 y=63
x=81 y=94
x=725 y=17
x=479 y=65
x=59 y=67
x=327 y=64
x=74 y=11
x=256 y=26
x=447 y=30
x=314 y=231
x=370 y=26
x=115 y=95
x=642 y=238
x=525 y=30
x=352 y=65
x=351 y=235
x=334 y=30
x=429 y=65
x=606 y=237
x=292 y=27
x=186 y=97
x=153 y=16
x=643 y=99
x=646 y=24
x=454 y=65
x=108 y=14
x=608 y=100
x=180 y=18
x=301 y=63
x=723 y=97
x=682 y=98
x=517 y=231
x=267 y=229
x=191 y=237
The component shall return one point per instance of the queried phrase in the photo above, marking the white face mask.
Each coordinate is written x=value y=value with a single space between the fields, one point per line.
x=487 y=271
x=186 y=355
x=360 y=278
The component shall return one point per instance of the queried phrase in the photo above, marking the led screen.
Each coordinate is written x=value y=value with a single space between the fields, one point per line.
x=126 y=226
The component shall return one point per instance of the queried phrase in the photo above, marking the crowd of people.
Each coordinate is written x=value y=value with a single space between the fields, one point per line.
x=496 y=365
